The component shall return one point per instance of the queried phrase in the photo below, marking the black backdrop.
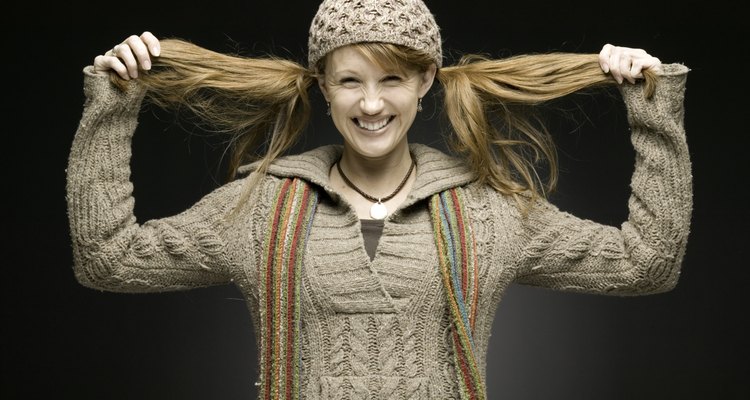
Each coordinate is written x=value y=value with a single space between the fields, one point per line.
x=61 y=339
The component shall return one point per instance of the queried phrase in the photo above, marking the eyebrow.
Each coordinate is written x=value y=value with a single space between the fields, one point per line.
x=345 y=71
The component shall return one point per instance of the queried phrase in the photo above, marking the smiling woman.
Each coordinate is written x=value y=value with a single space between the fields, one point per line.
x=373 y=269
x=373 y=106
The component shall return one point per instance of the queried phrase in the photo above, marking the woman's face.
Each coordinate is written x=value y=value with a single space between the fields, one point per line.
x=372 y=108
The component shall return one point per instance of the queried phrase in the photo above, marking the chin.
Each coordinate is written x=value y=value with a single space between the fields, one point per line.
x=374 y=148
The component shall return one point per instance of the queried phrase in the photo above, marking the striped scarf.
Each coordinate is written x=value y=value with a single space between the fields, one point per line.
x=458 y=267
x=279 y=288
x=281 y=274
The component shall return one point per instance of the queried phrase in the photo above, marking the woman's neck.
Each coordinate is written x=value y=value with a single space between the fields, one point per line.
x=376 y=176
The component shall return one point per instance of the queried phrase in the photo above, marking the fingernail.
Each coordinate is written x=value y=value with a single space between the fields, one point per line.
x=156 y=51
x=147 y=65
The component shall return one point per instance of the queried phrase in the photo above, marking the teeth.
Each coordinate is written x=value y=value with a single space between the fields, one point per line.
x=372 y=126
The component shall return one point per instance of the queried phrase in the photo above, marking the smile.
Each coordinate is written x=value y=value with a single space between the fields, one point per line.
x=373 y=125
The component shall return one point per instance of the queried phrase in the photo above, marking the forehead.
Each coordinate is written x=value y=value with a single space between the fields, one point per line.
x=348 y=58
x=363 y=60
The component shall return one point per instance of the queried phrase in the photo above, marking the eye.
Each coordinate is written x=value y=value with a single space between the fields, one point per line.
x=348 y=81
x=393 y=79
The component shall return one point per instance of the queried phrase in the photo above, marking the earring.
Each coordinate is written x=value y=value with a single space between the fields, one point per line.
x=419 y=104
x=328 y=109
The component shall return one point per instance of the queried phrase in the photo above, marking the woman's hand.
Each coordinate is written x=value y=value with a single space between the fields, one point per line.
x=625 y=63
x=127 y=57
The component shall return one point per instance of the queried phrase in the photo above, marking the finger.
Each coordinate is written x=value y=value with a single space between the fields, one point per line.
x=133 y=54
x=107 y=62
x=627 y=66
x=152 y=43
x=140 y=51
x=636 y=70
x=125 y=56
x=642 y=61
x=652 y=63
x=604 y=56
x=615 y=64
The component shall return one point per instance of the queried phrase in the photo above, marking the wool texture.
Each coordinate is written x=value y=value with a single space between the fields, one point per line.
x=404 y=22
x=280 y=283
x=456 y=249
x=386 y=328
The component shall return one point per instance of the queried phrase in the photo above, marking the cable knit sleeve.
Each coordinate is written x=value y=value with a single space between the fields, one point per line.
x=645 y=254
x=111 y=250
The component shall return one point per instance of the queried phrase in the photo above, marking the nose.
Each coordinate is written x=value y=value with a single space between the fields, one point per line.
x=371 y=102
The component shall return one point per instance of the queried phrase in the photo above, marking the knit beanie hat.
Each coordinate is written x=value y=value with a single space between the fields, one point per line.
x=404 y=22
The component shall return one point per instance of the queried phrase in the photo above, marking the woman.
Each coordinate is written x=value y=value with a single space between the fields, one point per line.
x=373 y=269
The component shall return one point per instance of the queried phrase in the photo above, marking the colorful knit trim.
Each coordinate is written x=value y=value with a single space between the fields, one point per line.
x=458 y=266
x=281 y=276
x=280 y=289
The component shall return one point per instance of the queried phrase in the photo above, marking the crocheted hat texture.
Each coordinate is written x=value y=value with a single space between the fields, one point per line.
x=404 y=22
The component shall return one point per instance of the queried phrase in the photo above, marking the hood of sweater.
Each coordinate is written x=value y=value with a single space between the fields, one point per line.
x=436 y=171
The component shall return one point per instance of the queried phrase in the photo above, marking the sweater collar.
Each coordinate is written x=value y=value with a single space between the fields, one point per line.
x=436 y=171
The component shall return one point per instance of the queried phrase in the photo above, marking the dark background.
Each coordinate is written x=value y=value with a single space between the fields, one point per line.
x=63 y=340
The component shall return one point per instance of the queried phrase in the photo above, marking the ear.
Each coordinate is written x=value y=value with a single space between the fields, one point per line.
x=428 y=78
x=323 y=87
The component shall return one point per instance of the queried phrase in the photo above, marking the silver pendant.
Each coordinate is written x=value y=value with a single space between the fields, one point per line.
x=378 y=211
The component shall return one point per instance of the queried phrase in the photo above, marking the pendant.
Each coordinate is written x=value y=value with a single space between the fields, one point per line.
x=378 y=211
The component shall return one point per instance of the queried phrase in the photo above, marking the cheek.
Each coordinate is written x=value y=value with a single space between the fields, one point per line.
x=408 y=106
x=406 y=98
x=342 y=100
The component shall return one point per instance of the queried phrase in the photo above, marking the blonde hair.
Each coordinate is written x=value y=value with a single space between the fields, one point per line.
x=264 y=105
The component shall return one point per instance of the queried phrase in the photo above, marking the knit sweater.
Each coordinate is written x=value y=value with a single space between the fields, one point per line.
x=378 y=328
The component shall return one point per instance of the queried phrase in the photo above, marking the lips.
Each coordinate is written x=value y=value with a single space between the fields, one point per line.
x=373 y=125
